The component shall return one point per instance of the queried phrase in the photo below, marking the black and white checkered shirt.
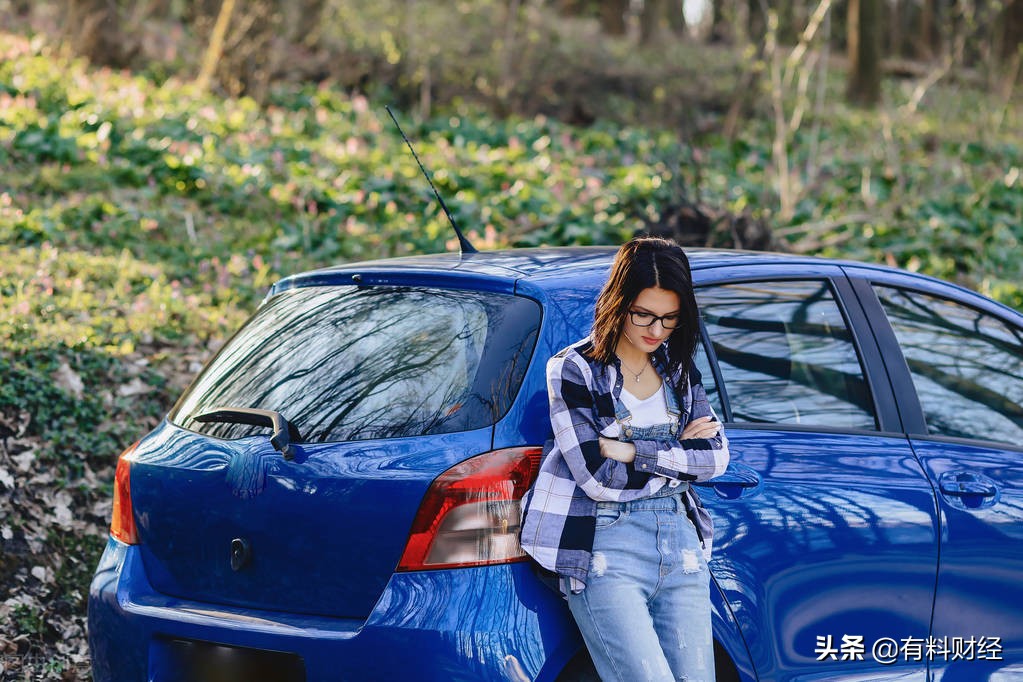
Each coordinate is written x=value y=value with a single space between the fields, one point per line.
x=559 y=511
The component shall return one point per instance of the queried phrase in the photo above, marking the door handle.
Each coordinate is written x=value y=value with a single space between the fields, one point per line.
x=733 y=480
x=966 y=488
x=969 y=487
x=737 y=480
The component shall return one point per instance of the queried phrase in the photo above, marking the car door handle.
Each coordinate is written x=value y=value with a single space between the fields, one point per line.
x=738 y=480
x=966 y=484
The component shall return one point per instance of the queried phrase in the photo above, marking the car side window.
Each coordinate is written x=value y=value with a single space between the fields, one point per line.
x=967 y=365
x=786 y=354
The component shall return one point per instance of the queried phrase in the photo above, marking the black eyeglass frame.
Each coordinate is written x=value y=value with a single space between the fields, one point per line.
x=661 y=318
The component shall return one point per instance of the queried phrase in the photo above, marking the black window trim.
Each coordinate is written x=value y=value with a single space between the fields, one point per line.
x=814 y=428
x=886 y=416
x=715 y=370
x=970 y=442
x=902 y=379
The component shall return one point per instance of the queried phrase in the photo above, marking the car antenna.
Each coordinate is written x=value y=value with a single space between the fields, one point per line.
x=463 y=243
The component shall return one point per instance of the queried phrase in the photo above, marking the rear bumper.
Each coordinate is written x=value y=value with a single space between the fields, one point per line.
x=493 y=623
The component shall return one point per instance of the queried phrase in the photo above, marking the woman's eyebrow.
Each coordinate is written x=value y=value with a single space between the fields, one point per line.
x=647 y=310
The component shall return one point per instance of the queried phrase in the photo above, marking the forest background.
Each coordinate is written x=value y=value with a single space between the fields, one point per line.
x=163 y=161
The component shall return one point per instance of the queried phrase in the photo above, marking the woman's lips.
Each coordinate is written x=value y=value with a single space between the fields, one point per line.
x=652 y=342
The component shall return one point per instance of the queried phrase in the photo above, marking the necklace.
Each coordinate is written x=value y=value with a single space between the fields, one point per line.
x=632 y=371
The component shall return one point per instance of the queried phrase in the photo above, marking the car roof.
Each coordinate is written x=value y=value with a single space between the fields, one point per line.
x=565 y=268
x=532 y=264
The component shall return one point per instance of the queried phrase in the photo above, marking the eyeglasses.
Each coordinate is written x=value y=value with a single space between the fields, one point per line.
x=641 y=319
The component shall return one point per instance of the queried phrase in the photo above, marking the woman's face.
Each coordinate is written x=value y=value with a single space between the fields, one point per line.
x=650 y=304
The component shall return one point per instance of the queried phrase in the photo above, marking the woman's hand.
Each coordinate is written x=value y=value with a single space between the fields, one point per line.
x=626 y=452
x=701 y=428
x=617 y=450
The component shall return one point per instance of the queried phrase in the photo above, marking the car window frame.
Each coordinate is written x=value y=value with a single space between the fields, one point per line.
x=909 y=405
x=887 y=418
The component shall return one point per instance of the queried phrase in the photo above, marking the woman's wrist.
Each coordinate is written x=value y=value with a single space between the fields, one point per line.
x=617 y=450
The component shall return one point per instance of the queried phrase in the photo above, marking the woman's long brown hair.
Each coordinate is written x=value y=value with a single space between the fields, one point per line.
x=642 y=263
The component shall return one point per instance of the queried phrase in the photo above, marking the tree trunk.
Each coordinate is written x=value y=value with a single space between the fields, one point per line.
x=676 y=17
x=568 y=8
x=22 y=8
x=651 y=22
x=1011 y=38
x=928 y=44
x=160 y=9
x=199 y=10
x=788 y=30
x=612 y=16
x=864 y=44
x=303 y=20
x=893 y=33
x=904 y=32
x=720 y=22
x=756 y=20
x=93 y=30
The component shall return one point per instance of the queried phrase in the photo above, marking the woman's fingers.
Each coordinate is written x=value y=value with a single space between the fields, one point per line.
x=701 y=428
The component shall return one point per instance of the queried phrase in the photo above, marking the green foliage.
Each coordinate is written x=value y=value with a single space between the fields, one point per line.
x=144 y=215
x=29 y=620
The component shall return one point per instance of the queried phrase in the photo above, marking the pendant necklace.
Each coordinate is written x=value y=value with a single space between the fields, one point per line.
x=633 y=373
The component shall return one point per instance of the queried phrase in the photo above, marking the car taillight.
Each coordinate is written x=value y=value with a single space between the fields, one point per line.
x=122 y=525
x=470 y=514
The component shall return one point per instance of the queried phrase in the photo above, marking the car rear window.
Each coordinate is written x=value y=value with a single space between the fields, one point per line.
x=348 y=363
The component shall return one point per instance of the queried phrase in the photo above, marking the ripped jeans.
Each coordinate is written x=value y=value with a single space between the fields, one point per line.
x=645 y=612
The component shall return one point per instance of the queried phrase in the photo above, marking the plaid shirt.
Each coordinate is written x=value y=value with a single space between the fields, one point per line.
x=559 y=511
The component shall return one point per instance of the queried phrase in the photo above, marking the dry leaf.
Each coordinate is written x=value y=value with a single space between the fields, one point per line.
x=68 y=380
x=24 y=460
x=135 y=387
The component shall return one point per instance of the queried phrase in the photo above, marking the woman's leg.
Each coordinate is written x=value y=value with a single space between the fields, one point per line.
x=619 y=634
x=680 y=608
x=613 y=613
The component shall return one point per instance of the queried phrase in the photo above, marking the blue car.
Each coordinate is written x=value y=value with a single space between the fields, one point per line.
x=336 y=496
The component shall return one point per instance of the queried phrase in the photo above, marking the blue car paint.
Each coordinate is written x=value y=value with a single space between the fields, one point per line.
x=817 y=533
x=284 y=510
x=495 y=623
x=465 y=624
x=838 y=538
x=980 y=570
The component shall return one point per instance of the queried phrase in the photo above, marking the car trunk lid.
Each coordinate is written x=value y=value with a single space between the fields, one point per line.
x=234 y=523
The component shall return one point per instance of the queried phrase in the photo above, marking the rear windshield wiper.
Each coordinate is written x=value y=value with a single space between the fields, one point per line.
x=285 y=433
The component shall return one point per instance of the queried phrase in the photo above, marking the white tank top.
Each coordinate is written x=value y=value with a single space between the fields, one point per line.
x=653 y=410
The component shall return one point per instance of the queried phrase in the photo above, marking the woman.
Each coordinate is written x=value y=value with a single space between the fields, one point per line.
x=611 y=511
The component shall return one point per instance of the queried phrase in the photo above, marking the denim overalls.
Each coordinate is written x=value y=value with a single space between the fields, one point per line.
x=645 y=612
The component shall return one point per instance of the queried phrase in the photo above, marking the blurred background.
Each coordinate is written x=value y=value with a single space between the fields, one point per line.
x=162 y=162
